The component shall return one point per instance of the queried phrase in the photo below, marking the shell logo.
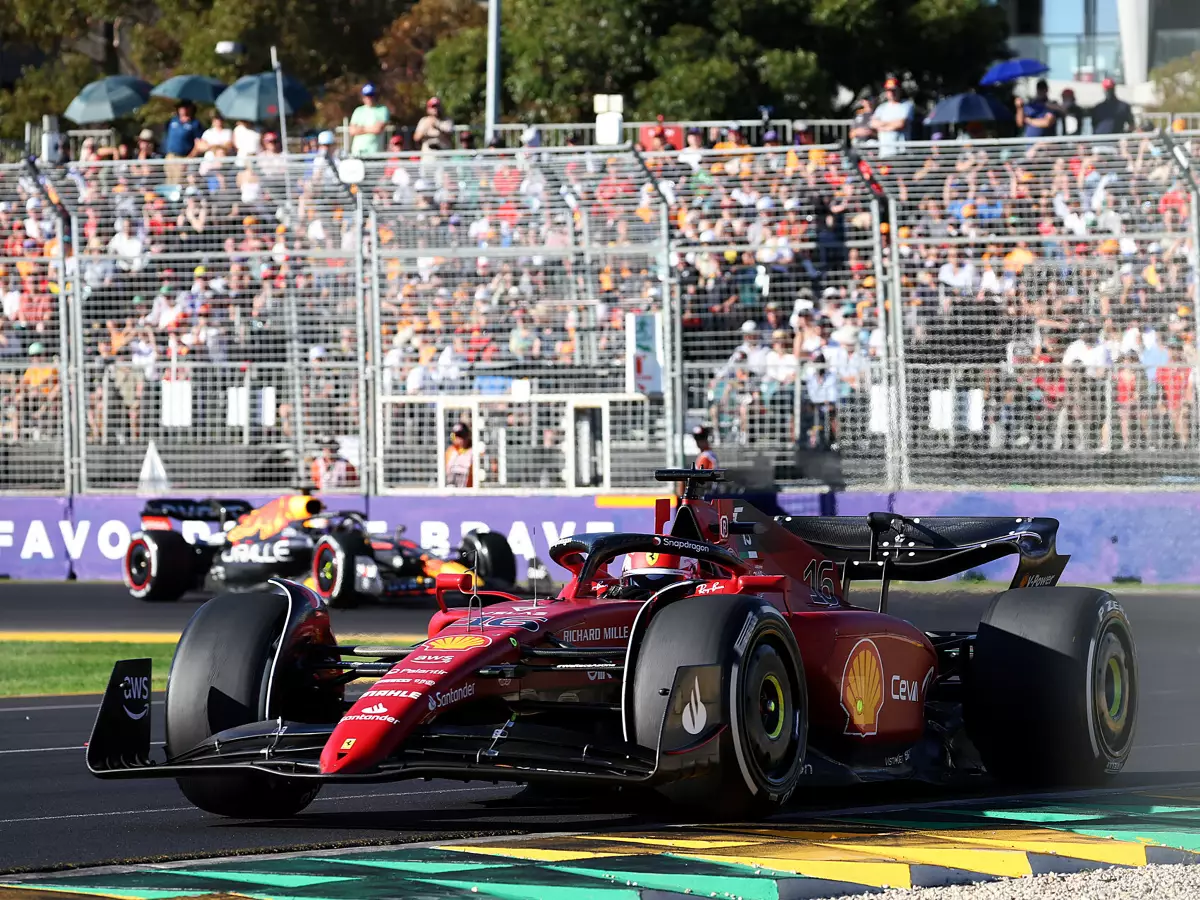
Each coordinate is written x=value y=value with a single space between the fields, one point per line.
x=458 y=642
x=862 y=689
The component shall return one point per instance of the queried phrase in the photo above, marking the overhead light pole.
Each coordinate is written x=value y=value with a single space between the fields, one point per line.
x=492 y=101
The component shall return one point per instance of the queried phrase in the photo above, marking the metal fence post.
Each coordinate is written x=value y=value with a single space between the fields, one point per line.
x=78 y=362
x=363 y=359
x=375 y=326
x=903 y=449
x=892 y=448
x=297 y=361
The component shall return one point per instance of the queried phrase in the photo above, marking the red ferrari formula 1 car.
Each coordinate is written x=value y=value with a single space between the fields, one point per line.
x=722 y=665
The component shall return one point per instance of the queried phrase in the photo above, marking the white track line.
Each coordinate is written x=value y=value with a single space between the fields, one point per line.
x=96 y=705
x=167 y=809
x=54 y=749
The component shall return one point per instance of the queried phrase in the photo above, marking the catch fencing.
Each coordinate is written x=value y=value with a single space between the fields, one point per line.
x=999 y=313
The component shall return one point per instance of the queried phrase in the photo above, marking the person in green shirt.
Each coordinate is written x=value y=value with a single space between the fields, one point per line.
x=367 y=124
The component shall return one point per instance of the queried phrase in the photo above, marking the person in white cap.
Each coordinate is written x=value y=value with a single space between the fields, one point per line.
x=368 y=123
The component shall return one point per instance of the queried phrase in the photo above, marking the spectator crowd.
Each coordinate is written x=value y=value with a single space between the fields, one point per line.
x=1044 y=291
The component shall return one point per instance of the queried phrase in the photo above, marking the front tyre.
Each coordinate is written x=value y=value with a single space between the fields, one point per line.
x=219 y=679
x=1053 y=688
x=764 y=689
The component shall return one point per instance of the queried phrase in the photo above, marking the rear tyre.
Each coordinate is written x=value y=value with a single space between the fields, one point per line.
x=490 y=555
x=765 y=693
x=333 y=568
x=1053 y=687
x=160 y=566
x=219 y=679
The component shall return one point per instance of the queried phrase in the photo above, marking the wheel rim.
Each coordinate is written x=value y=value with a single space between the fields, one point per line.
x=1113 y=691
x=137 y=563
x=772 y=707
x=769 y=707
x=325 y=570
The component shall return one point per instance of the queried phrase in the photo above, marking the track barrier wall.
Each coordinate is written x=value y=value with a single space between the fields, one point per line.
x=1146 y=536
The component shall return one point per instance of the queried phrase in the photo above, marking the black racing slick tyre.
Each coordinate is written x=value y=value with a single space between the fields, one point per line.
x=762 y=690
x=219 y=679
x=333 y=567
x=490 y=555
x=1052 y=692
x=160 y=566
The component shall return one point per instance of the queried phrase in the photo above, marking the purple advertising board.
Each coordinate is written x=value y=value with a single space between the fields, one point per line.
x=1108 y=535
x=35 y=533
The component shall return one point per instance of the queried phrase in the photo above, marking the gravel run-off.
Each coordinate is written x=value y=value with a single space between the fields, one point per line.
x=1174 y=882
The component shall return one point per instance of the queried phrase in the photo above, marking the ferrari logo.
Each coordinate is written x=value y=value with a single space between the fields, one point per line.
x=652 y=559
x=348 y=743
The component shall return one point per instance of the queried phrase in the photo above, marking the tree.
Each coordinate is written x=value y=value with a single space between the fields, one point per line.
x=1178 y=84
x=402 y=56
x=726 y=58
x=678 y=58
x=318 y=41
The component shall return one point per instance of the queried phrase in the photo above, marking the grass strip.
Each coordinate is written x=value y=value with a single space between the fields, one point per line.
x=32 y=668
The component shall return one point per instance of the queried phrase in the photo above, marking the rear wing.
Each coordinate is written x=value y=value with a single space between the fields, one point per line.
x=888 y=546
x=158 y=513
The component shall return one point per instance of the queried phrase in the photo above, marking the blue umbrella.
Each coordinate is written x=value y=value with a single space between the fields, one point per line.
x=255 y=98
x=963 y=108
x=108 y=99
x=1012 y=69
x=196 y=88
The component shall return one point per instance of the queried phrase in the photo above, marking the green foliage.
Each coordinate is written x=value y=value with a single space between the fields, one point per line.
x=455 y=71
x=1178 y=84
x=678 y=58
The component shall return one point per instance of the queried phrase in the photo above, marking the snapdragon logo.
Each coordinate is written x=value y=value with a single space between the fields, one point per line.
x=445 y=698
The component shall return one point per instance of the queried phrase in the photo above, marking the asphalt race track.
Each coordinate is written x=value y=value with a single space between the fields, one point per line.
x=54 y=814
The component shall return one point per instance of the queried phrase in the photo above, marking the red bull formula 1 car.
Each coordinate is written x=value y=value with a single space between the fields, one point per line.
x=721 y=665
x=296 y=538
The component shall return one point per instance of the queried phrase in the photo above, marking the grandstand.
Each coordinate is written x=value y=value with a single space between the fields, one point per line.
x=1008 y=313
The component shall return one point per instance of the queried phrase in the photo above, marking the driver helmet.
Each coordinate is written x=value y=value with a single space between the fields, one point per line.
x=651 y=571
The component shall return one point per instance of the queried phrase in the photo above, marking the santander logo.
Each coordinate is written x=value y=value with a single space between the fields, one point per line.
x=377 y=709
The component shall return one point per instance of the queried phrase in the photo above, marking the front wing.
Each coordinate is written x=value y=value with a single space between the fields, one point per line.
x=514 y=751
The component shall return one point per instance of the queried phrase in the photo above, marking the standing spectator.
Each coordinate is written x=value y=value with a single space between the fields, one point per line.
x=860 y=129
x=1037 y=117
x=330 y=470
x=367 y=124
x=216 y=138
x=434 y=132
x=893 y=119
x=145 y=145
x=1072 y=114
x=706 y=458
x=39 y=391
x=179 y=140
x=246 y=139
x=1111 y=115
x=459 y=469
